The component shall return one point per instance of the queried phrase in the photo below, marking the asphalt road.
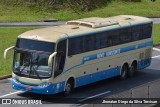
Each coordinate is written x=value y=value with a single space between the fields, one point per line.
x=30 y=24
x=100 y=89
x=156 y=20
x=45 y=24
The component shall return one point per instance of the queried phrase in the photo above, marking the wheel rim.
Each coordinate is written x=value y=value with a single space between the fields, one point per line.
x=68 y=88
x=133 y=68
x=124 y=72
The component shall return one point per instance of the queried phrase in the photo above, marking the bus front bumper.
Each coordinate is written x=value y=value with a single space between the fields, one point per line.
x=48 y=89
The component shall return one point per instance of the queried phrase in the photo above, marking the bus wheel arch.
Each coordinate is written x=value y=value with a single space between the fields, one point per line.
x=69 y=86
x=124 y=71
x=132 y=68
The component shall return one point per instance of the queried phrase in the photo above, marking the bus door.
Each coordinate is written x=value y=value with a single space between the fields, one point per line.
x=60 y=58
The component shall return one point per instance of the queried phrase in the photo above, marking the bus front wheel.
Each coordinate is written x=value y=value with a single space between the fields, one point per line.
x=124 y=71
x=68 y=88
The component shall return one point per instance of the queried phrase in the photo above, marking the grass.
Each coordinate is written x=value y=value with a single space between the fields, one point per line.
x=156 y=33
x=8 y=37
x=10 y=12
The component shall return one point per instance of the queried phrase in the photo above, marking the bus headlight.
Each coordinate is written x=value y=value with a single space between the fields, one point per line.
x=44 y=84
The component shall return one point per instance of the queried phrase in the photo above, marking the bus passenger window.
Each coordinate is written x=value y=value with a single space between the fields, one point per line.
x=75 y=46
x=147 y=31
x=101 y=41
x=110 y=41
x=113 y=38
x=125 y=35
x=89 y=43
x=135 y=33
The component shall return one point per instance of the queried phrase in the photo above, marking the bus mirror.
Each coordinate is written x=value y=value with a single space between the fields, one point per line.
x=50 y=58
x=6 y=51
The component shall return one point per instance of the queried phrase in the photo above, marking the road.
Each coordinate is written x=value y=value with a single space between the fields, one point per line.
x=45 y=24
x=30 y=24
x=156 y=20
x=100 y=89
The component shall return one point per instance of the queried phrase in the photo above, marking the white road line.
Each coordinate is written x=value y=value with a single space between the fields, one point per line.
x=10 y=79
x=10 y=94
x=81 y=105
x=156 y=56
x=94 y=96
x=156 y=49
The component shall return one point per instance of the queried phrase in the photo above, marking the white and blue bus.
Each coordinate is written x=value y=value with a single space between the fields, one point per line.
x=61 y=58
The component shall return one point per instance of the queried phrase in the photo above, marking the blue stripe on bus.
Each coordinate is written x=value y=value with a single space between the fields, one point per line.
x=109 y=73
x=112 y=52
x=90 y=78
x=144 y=63
x=116 y=51
x=50 y=89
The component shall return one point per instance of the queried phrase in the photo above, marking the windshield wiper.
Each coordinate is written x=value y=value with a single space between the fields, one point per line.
x=33 y=62
x=35 y=70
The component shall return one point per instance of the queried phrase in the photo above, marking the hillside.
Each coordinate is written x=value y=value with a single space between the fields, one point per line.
x=22 y=10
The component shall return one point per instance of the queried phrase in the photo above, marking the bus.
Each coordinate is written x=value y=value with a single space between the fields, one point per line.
x=61 y=58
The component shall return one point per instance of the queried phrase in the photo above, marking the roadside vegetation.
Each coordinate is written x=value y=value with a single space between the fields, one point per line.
x=156 y=33
x=8 y=38
x=37 y=10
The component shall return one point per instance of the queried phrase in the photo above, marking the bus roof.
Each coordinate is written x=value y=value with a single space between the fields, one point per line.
x=83 y=26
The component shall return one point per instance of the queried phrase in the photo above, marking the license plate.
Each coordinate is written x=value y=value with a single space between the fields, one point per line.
x=28 y=88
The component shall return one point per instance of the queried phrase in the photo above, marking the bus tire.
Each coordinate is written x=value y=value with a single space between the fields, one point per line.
x=68 y=88
x=124 y=71
x=132 y=69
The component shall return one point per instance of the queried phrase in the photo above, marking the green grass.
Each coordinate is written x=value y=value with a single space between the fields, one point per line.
x=156 y=33
x=9 y=11
x=8 y=37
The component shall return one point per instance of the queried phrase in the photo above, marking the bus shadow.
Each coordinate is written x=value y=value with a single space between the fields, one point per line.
x=113 y=84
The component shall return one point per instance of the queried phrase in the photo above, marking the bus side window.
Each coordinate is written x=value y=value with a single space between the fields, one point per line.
x=125 y=35
x=75 y=46
x=101 y=41
x=147 y=31
x=110 y=41
x=135 y=33
x=89 y=42
x=113 y=38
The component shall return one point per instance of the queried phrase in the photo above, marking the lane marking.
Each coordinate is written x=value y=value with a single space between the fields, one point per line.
x=10 y=79
x=156 y=49
x=94 y=96
x=156 y=56
x=10 y=94
x=81 y=105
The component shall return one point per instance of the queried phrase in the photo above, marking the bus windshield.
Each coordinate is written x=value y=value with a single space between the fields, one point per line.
x=32 y=63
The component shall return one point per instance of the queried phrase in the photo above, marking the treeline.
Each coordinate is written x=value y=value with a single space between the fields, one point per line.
x=76 y=5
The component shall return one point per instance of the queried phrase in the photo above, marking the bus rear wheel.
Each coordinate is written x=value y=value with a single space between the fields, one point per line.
x=68 y=88
x=133 y=69
x=124 y=71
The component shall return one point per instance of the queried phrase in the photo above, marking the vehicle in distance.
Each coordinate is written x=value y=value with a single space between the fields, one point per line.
x=61 y=58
